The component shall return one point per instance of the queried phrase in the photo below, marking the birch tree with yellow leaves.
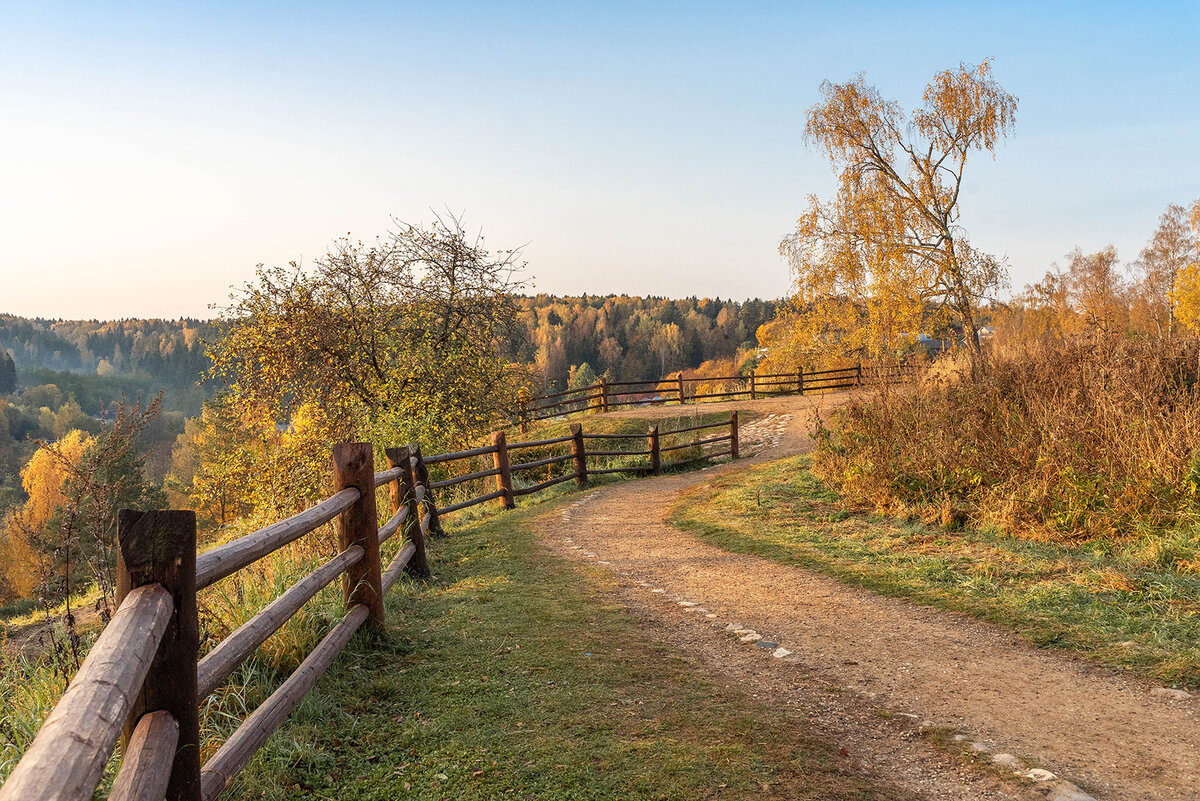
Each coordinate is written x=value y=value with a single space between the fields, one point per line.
x=1185 y=292
x=887 y=254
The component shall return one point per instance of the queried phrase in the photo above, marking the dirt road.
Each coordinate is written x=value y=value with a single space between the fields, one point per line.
x=883 y=677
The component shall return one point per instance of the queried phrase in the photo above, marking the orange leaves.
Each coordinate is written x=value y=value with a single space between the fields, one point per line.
x=966 y=109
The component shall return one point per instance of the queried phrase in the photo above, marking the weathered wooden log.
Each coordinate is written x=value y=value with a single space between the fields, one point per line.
x=421 y=476
x=454 y=507
x=579 y=454
x=537 y=443
x=231 y=757
x=387 y=476
x=655 y=460
x=451 y=457
x=503 y=473
x=538 y=487
x=222 y=561
x=450 y=482
x=219 y=663
x=698 y=442
x=399 y=565
x=403 y=495
x=394 y=523
x=146 y=766
x=159 y=547
x=540 y=462
x=67 y=757
x=354 y=468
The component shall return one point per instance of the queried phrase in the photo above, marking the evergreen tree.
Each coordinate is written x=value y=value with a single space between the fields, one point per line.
x=8 y=374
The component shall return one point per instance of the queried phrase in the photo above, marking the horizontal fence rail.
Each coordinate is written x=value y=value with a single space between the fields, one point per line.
x=601 y=397
x=144 y=680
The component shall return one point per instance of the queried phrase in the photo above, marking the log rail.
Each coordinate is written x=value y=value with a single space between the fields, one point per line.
x=144 y=681
x=681 y=389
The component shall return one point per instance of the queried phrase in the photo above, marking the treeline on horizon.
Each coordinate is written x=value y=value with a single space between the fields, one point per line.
x=629 y=337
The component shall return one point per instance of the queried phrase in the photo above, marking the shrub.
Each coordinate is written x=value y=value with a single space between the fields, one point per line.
x=1069 y=440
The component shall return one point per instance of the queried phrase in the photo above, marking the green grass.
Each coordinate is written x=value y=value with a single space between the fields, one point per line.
x=515 y=674
x=1125 y=604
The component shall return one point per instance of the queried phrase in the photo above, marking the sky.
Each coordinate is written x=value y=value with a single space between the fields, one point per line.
x=153 y=154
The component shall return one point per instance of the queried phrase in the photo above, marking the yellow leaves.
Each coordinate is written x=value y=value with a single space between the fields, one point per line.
x=42 y=477
x=874 y=261
x=45 y=473
x=1185 y=297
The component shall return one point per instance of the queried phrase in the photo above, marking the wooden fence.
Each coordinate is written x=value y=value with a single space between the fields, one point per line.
x=605 y=395
x=143 y=680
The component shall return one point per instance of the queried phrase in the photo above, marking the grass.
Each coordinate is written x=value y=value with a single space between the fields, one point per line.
x=1124 y=603
x=499 y=638
x=513 y=674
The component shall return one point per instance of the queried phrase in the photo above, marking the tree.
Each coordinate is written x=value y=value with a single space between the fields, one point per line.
x=8 y=374
x=214 y=464
x=1096 y=290
x=75 y=487
x=406 y=331
x=667 y=344
x=1171 y=249
x=889 y=245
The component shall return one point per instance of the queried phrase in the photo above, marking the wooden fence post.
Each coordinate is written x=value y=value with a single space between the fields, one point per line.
x=655 y=460
x=603 y=383
x=403 y=491
x=421 y=474
x=504 y=477
x=362 y=583
x=800 y=381
x=752 y=395
x=858 y=375
x=679 y=378
x=523 y=413
x=160 y=548
x=579 y=454
x=733 y=434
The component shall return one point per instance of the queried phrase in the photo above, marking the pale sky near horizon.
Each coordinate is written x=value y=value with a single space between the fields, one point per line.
x=152 y=155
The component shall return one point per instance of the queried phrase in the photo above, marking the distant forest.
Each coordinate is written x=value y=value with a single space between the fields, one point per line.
x=124 y=356
x=632 y=338
x=627 y=337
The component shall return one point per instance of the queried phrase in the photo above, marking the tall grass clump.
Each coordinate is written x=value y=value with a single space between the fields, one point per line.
x=1074 y=440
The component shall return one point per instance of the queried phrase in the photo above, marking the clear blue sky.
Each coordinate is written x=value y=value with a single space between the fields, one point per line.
x=152 y=156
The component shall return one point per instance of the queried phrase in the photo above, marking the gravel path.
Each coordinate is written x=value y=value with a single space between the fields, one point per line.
x=875 y=673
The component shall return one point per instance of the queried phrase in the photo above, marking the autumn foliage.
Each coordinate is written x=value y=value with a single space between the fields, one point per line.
x=1069 y=439
x=887 y=257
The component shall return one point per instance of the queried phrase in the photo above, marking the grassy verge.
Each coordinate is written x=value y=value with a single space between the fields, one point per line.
x=33 y=676
x=513 y=675
x=1125 y=604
